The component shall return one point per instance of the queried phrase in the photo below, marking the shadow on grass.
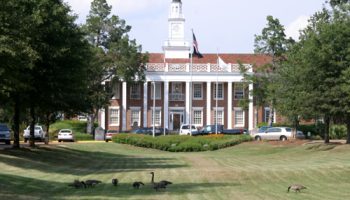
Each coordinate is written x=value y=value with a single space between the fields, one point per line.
x=18 y=187
x=57 y=159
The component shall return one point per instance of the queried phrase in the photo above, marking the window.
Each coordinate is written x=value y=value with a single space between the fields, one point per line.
x=197 y=91
x=267 y=114
x=220 y=93
x=157 y=117
x=135 y=91
x=135 y=116
x=239 y=117
x=114 y=116
x=220 y=117
x=158 y=91
x=177 y=88
x=116 y=91
x=238 y=91
x=197 y=117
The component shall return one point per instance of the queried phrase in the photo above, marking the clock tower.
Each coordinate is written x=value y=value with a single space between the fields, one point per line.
x=176 y=46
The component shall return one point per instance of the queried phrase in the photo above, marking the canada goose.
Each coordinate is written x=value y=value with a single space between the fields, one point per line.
x=296 y=187
x=78 y=184
x=137 y=184
x=160 y=184
x=115 y=182
x=92 y=183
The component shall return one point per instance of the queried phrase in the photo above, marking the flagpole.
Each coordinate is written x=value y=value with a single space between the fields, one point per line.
x=191 y=65
x=216 y=94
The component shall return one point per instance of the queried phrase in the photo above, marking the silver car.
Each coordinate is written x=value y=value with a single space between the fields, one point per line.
x=274 y=133
x=109 y=134
x=65 y=135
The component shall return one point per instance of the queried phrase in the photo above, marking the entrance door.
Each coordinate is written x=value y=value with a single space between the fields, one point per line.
x=176 y=121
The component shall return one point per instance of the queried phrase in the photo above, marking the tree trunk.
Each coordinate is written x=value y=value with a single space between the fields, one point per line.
x=16 y=117
x=32 y=127
x=295 y=126
x=47 y=124
x=348 y=129
x=326 y=131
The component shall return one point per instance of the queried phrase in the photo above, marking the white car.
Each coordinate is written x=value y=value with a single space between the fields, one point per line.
x=39 y=133
x=185 y=129
x=274 y=133
x=65 y=135
x=110 y=134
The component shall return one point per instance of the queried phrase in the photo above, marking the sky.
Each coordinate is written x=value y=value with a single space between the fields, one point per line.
x=220 y=26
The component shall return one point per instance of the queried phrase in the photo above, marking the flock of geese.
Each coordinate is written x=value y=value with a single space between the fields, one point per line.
x=91 y=183
x=156 y=185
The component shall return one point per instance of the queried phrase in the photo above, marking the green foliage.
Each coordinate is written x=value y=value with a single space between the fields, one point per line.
x=338 y=132
x=181 y=143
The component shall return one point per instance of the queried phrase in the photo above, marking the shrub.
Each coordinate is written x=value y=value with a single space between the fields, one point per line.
x=176 y=143
x=338 y=132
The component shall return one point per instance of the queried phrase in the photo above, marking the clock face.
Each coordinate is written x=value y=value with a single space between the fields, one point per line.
x=176 y=28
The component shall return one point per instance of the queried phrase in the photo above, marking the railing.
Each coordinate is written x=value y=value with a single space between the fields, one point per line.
x=186 y=67
x=176 y=97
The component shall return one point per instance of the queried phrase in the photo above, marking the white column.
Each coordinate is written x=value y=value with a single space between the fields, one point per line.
x=124 y=107
x=102 y=114
x=166 y=104
x=229 y=105
x=208 y=102
x=251 y=109
x=187 y=102
x=145 y=103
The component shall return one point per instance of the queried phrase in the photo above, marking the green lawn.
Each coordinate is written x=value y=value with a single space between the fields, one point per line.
x=247 y=171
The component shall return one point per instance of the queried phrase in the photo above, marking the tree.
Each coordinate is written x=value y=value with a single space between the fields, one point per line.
x=321 y=63
x=272 y=42
x=17 y=56
x=117 y=58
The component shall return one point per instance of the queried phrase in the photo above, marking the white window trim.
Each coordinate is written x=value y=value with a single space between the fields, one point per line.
x=223 y=114
x=198 y=98
x=160 y=91
x=139 y=91
x=139 y=120
x=234 y=91
x=234 y=117
x=223 y=91
x=160 y=116
x=109 y=117
x=198 y=109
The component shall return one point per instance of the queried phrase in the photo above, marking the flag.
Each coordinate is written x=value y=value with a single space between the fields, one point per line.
x=195 y=47
x=222 y=64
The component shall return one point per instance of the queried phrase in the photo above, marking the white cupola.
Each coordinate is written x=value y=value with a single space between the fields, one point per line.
x=176 y=46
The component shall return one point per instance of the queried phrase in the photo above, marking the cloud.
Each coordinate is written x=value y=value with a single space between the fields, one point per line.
x=130 y=7
x=293 y=29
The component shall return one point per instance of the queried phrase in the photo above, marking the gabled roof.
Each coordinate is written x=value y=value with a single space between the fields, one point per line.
x=253 y=59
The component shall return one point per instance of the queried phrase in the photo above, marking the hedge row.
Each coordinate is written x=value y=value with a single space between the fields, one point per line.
x=176 y=143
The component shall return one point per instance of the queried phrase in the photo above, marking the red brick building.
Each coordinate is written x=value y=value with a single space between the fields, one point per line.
x=196 y=91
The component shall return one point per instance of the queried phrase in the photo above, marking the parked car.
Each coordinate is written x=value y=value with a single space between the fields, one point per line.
x=5 y=134
x=148 y=131
x=109 y=134
x=65 y=135
x=185 y=129
x=209 y=129
x=39 y=133
x=300 y=135
x=274 y=133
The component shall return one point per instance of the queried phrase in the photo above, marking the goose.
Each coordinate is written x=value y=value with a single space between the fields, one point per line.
x=92 y=183
x=160 y=184
x=115 y=182
x=296 y=187
x=137 y=184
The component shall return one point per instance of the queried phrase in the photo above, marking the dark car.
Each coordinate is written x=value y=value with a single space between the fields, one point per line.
x=209 y=129
x=149 y=131
x=5 y=134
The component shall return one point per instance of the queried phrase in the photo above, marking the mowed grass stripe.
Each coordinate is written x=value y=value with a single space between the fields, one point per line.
x=247 y=171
